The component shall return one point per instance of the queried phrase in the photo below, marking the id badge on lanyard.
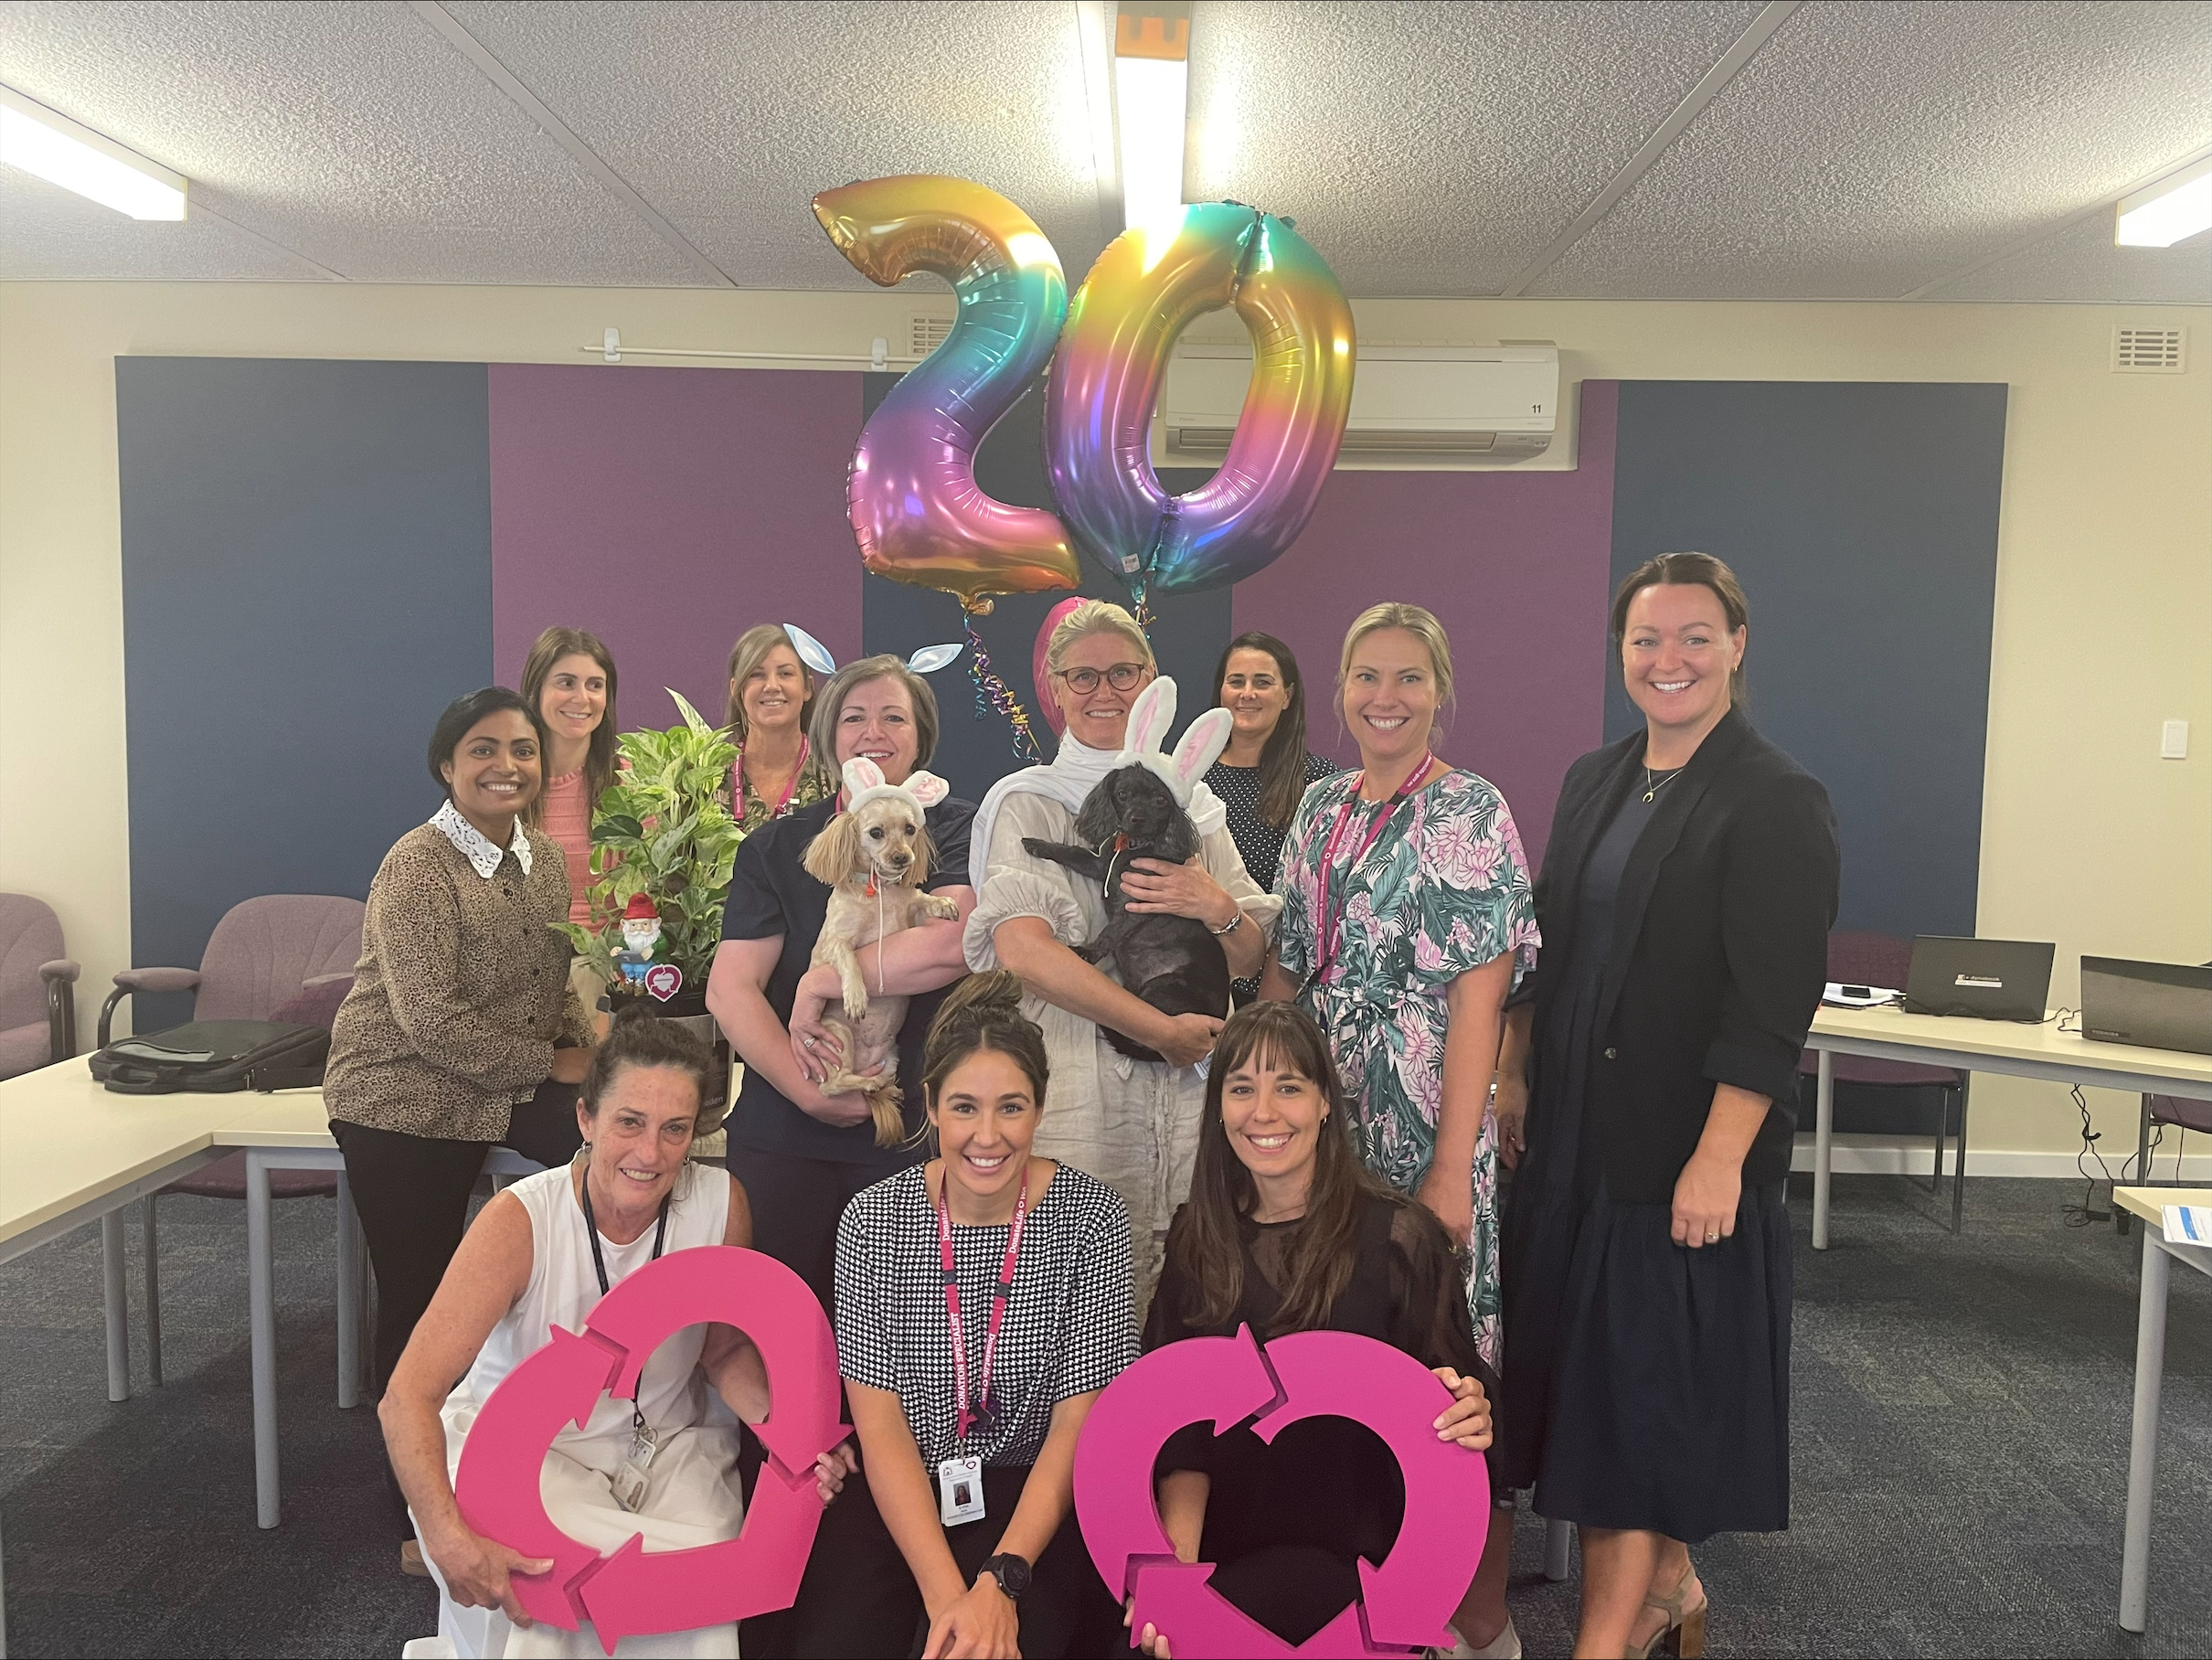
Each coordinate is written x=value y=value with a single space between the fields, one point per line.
x=1332 y=917
x=960 y=1479
x=633 y=1475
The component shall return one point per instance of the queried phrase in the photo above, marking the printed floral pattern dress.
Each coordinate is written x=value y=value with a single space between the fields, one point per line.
x=1444 y=888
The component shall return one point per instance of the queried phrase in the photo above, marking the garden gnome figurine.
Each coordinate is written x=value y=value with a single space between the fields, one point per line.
x=641 y=933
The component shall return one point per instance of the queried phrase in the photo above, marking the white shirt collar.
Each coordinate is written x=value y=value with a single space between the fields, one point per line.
x=478 y=848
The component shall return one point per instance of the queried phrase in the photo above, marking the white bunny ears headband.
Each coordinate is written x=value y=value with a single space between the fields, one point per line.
x=864 y=782
x=816 y=656
x=1149 y=719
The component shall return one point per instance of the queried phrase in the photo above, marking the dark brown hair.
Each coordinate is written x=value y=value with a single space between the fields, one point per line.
x=1205 y=1242
x=464 y=713
x=829 y=707
x=598 y=758
x=642 y=1038
x=1685 y=571
x=1282 y=758
x=983 y=1012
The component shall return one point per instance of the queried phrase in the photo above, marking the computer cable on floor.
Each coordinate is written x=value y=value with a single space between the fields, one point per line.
x=2083 y=1214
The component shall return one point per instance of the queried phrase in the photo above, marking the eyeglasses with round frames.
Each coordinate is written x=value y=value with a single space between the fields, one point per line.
x=1082 y=682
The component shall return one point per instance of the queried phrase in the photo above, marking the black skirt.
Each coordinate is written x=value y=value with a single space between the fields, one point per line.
x=1646 y=1385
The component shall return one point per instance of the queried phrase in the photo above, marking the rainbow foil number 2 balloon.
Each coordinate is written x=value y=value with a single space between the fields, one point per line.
x=916 y=509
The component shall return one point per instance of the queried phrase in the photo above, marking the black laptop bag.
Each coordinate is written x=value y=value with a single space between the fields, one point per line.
x=216 y=1056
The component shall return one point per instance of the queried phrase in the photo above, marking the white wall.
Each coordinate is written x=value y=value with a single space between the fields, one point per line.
x=2104 y=597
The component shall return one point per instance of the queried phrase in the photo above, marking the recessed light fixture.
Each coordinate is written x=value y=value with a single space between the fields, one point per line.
x=2173 y=211
x=1150 y=98
x=55 y=148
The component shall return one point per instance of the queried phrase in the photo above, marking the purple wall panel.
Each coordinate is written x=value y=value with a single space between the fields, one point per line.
x=668 y=510
x=1515 y=565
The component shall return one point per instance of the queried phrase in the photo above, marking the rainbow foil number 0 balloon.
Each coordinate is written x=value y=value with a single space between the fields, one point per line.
x=916 y=509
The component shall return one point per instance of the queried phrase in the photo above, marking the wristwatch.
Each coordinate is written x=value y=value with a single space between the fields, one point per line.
x=1011 y=1572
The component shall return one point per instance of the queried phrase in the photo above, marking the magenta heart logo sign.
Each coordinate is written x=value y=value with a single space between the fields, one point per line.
x=663 y=979
x=632 y=1591
x=1404 y=1601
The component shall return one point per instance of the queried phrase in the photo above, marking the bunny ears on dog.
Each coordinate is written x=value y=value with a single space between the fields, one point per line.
x=863 y=783
x=1149 y=719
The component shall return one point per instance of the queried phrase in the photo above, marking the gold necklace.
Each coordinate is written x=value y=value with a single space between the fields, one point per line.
x=1652 y=789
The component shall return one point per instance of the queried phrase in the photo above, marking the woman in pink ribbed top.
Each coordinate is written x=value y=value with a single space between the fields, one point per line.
x=568 y=678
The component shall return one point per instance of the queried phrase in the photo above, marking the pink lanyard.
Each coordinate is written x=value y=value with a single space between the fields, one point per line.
x=738 y=772
x=1332 y=920
x=982 y=1411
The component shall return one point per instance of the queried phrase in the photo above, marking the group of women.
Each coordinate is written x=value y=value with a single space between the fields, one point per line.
x=1533 y=1134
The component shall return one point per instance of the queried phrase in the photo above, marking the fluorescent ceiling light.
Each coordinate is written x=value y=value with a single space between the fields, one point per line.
x=2173 y=211
x=1150 y=102
x=55 y=148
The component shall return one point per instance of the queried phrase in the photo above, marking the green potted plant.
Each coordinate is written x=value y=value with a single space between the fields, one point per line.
x=663 y=834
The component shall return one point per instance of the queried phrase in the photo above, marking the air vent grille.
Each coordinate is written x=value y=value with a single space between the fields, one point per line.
x=2147 y=351
x=926 y=333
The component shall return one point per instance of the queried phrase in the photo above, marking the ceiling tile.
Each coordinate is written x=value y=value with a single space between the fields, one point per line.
x=2081 y=263
x=728 y=119
x=351 y=133
x=1435 y=149
x=50 y=234
x=1869 y=148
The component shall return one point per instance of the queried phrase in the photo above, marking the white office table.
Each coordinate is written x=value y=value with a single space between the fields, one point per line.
x=75 y=1153
x=1983 y=1046
x=2150 y=1367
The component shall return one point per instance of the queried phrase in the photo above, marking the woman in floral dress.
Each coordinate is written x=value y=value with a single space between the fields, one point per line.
x=1407 y=918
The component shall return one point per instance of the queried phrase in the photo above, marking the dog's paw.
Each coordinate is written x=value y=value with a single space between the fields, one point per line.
x=937 y=905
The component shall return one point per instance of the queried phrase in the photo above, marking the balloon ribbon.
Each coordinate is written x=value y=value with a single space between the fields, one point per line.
x=992 y=693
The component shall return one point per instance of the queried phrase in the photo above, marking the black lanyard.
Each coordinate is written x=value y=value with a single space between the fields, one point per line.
x=598 y=1264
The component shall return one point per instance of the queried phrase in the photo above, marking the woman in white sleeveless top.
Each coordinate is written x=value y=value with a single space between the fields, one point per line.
x=527 y=1265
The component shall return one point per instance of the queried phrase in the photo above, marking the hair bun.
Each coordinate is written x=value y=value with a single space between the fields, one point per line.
x=631 y=1011
x=994 y=995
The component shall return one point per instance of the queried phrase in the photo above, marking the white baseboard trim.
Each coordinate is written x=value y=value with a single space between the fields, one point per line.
x=1869 y=1155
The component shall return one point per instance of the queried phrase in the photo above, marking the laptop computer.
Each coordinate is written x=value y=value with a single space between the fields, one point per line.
x=2161 y=1006
x=1992 y=979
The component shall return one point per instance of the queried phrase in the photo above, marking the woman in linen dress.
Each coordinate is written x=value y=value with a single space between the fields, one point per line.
x=1131 y=1123
x=528 y=1264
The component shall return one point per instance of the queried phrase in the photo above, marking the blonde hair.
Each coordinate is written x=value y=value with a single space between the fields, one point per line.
x=1417 y=620
x=1095 y=617
x=751 y=651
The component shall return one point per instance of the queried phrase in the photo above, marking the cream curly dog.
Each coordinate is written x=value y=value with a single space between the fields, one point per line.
x=875 y=856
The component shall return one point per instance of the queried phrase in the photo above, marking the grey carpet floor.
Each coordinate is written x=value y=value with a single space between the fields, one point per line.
x=1960 y=1452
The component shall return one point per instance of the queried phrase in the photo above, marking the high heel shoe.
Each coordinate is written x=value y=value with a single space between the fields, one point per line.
x=1683 y=1635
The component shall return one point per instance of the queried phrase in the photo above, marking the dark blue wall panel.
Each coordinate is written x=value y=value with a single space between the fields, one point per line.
x=307 y=583
x=1863 y=520
x=898 y=617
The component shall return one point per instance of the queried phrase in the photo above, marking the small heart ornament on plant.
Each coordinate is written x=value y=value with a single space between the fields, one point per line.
x=663 y=981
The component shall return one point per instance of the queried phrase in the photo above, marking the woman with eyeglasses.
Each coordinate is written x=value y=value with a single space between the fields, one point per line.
x=1131 y=1123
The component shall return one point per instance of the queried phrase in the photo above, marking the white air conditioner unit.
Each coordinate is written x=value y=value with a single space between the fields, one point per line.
x=1477 y=402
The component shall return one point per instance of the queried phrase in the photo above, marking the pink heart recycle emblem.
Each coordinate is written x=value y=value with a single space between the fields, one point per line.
x=663 y=979
x=1404 y=1602
x=636 y=1591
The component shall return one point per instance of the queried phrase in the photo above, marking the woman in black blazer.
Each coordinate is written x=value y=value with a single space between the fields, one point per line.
x=1644 y=1097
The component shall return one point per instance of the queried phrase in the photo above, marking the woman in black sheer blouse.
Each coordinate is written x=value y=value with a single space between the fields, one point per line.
x=1286 y=1232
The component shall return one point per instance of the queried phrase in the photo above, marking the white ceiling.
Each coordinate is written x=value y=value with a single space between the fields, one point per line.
x=1964 y=149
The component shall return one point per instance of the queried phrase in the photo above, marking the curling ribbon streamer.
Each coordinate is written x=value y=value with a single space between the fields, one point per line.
x=992 y=694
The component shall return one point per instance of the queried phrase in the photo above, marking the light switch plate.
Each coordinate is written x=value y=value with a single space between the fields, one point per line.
x=2174 y=740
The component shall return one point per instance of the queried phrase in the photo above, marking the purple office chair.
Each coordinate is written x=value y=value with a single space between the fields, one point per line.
x=37 y=988
x=2161 y=1109
x=285 y=956
x=1859 y=957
